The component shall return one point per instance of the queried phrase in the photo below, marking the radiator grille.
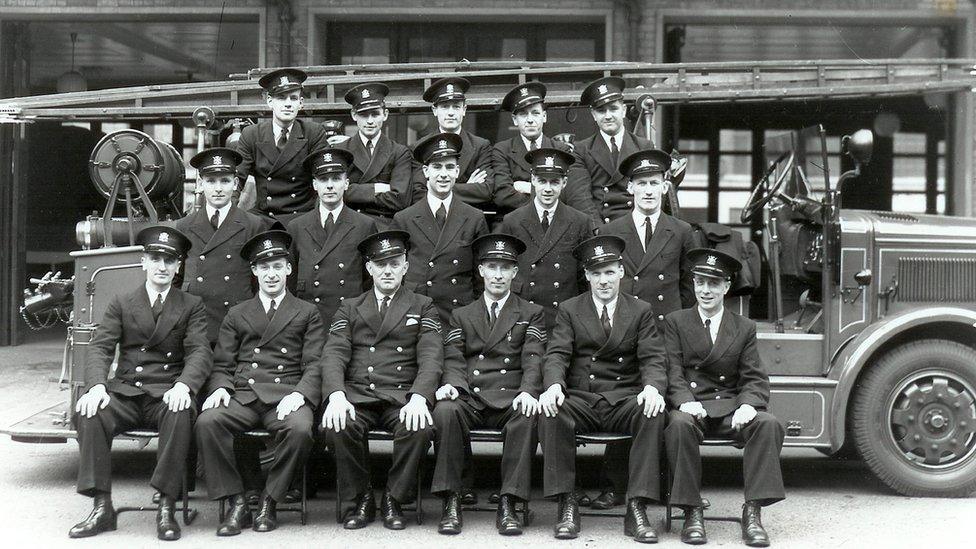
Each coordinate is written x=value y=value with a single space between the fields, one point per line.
x=936 y=279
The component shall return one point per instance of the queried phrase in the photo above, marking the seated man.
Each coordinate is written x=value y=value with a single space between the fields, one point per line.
x=265 y=375
x=164 y=358
x=380 y=368
x=492 y=376
x=719 y=387
x=604 y=371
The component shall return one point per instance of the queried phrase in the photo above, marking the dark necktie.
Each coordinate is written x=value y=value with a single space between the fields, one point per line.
x=441 y=215
x=534 y=145
x=708 y=332
x=614 y=150
x=271 y=310
x=605 y=320
x=157 y=306
x=283 y=138
x=493 y=315
x=385 y=306
x=369 y=148
x=648 y=233
x=545 y=221
x=215 y=219
x=329 y=224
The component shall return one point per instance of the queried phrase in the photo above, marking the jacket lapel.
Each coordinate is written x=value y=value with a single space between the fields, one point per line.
x=230 y=227
x=266 y=142
x=200 y=226
x=633 y=250
x=467 y=154
x=296 y=142
x=394 y=315
x=727 y=331
x=600 y=153
x=339 y=231
x=255 y=316
x=506 y=320
x=531 y=225
x=381 y=155
x=517 y=152
x=369 y=310
x=591 y=319
x=452 y=225
x=425 y=220
x=662 y=234
x=285 y=312
x=172 y=308
x=359 y=157
x=621 y=322
x=142 y=311
x=557 y=228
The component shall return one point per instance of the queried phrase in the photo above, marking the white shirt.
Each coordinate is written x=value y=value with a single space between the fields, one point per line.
x=434 y=203
x=716 y=322
x=611 y=307
x=367 y=140
x=266 y=300
x=528 y=144
x=153 y=293
x=221 y=213
x=324 y=213
x=501 y=303
x=619 y=139
x=639 y=223
x=380 y=296
x=276 y=131
x=539 y=209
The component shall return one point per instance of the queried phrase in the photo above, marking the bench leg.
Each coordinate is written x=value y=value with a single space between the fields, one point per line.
x=188 y=514
x=305 y=494
x=420 y=494
x=338 y=503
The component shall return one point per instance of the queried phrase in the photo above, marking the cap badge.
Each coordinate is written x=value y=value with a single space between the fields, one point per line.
x=598 y=250
x=217 y=160
x=550 y=161
x=365 y=94
x=645 y=163
x=267 y=244
x=385 y=244
x=442 y=144
x=164 y=237
x=327 y=157
x=524 y=91
x=500 y=245
x=711 y=260
x=602 y=88
x=284 y=81
x=449 y=88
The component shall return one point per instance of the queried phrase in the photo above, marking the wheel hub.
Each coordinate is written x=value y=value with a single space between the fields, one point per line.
x=933 y=420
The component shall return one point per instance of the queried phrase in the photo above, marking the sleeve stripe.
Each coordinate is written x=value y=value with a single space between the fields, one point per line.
x=338 y=325
x=431 y=324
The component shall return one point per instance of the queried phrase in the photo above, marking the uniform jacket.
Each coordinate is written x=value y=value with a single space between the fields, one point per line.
x=508 y=165
x=373 y=359
x=282 y=184
x=590 y=365
x=214 y=268
x=595 y=181
x=391 y=163
x=329 y=268
x=441 y=261
x=475 y=154
x=723 y=378
x=548 y=273
x=153 y=355
x=493 y=365
x=662 y=275
x=266 y=360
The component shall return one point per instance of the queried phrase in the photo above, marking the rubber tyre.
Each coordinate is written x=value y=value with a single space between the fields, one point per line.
x=872 y=429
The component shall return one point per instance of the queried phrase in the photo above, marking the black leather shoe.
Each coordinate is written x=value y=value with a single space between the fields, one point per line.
x=267 y=519
x=608 y=499
x=253 y=497
x=636 y=524
x=451 y=519
x=238 y=516
x=506 y=520
x=155 y=498
x=753 y=532
x=103 y=518
x=693 y=530
x=568 y=521
x=293 y=496
x=167 y=529
x=363 y=514
x=583 y=498
x=494 y=498
x=392 y=515
x=468 y=496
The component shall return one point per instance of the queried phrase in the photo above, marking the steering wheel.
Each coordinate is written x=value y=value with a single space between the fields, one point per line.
x=762 y=193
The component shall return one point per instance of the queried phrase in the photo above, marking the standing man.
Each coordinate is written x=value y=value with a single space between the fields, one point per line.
x=474 y=181
x=604 y=370
x=163 y=360
x=330 y=267
x=380 y=175
x=718 y=387
x=548 y=272
x=492 y=377
x=265 y=376
x=441 y=229
x=215 y=270
x=380 y=367
x=594 y=178
x=273 y=150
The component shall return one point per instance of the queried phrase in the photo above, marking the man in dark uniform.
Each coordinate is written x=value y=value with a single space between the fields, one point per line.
x=548 y=273
x=718 y=387
x=214 y=268
x=474 y=179
x=655 y=270
x=273 y=150
x=512 y=173
x=381 y=172
x=380 y=368
x=164 y=358
x=441 y=229
x=330 y=267
x=492 y=377
x=604 y=370
x=265 y=375
x=334 y=129
x=594 y=178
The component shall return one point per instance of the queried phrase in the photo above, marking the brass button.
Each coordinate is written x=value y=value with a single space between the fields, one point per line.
x=502 y=389
x=453 y=281
x=636 y=278
x=277 y=380
x=476 y=372
x=138 y=384
x=372 y=386
x=226 y=278
x=721 y=378
x=718 y=397
x=143 y=349
x=660 y=317
x=532 y=266
x=226 y=303
x=399 y=349
x=254 y=365
x=203 y=257
x=316 y=283
x=555 y=304
x=429 y=283
x=504 y=371
x=250 y=381
x=138 y=368
x=372 y=349
x=430 y=263
x=165 y=367
x=257 y=350
x=317 y=300
x=693 y=385
x=169 y=354
x=481 y=357
x=455 y=262
x=506 y=361
x=660 y=277
x=592 y=359
x=555 y=265
x=620 y=359
x=369 y=368
x=199 y=279
x=477 y=389
x=230 y=256
x=531 y=283
x=316 y=267
x=399 y=368
x=342 y=282
x=342 y=265
x=592 y=376
x=284 y=351
x=660 y=297
x=281 y=367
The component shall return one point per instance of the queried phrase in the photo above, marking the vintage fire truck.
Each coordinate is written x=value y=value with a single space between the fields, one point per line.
x=870 y=336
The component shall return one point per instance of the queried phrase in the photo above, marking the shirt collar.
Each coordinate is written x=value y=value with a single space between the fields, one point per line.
x=380 y=295
x=639 y=220
x=611 y=307
x=716 y=320
x=220 y=216
x=539 y=209
x=153 y=293
x=433 y=202
x=276 y=129
x=501 y=302
x=528 y=144
x=324 y=213
x=266 y=300
x=374 y=139
x=619 y=137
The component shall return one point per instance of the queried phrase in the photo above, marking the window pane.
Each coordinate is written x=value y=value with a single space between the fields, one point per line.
x=365 y=49
x=694 y=205
x=570 y=49
x=734 y=140
x=696 y=173
x=905 y=202
x=908 y=174
x=730 y=203
x=909 y=143
x=735 y=171
x=688 y=145
x=431 y=48
x=940 y=175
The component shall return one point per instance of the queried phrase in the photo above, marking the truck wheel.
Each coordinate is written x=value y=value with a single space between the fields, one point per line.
x=914 y=419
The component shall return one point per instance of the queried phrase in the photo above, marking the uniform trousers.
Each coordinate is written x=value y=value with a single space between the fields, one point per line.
x=126 y=413
x=558 y=437
x=763 y=440
x=453 y=421
x=351 y=450
x=217 y=429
